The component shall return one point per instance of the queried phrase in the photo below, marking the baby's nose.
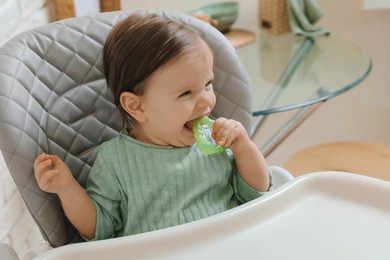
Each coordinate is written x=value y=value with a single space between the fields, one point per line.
x=206 y=99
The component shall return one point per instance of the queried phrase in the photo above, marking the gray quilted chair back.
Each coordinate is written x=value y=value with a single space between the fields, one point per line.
x=54 y=99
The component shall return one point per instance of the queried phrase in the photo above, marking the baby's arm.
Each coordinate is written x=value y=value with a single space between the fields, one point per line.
x=250 y=162
x=54 y=176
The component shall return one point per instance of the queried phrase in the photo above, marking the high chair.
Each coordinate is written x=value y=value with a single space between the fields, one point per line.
x=54 y=99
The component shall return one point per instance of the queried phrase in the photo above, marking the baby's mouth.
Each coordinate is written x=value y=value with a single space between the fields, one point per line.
x=188 y=125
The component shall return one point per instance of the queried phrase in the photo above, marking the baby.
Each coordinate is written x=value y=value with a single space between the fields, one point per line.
x=152 y=175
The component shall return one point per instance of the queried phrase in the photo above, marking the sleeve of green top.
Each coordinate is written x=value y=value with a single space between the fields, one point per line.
x=102 y=187
x=244 y=192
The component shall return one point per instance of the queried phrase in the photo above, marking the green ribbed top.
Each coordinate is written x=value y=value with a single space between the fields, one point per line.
x=139 y=187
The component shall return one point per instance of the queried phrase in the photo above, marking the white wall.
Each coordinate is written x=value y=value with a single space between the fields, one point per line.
x=248 y=8
x=17 y=16
x=376 y=4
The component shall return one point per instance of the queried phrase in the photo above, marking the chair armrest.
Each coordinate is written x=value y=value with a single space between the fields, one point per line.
x=280 y=175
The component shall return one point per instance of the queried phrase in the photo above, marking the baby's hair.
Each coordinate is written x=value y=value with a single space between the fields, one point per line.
x=137 y=47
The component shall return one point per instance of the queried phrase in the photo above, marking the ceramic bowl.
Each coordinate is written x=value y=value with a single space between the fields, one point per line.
x=222 y=15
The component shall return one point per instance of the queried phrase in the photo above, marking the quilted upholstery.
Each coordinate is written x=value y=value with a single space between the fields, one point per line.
x=54 y=99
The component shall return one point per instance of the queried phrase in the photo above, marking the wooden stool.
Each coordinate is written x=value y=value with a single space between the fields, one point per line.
x=368 y=159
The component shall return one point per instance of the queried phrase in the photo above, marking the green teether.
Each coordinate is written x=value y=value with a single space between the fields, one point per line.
x=205 y=146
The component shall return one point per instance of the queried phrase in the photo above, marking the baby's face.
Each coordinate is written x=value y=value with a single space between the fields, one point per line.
x=176 y=95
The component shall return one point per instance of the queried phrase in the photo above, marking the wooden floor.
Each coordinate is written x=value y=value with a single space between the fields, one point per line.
x=370 y=159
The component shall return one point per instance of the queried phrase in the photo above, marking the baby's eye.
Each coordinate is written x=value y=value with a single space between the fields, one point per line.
x=209 y=84
x=186 y=93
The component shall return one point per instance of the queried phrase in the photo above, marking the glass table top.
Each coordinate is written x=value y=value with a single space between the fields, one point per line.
x=328 y=66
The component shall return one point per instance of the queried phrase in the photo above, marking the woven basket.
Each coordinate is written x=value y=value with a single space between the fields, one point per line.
x=273 y=16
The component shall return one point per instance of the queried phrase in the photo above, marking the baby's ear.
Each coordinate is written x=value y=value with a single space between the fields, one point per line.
x=132 y=104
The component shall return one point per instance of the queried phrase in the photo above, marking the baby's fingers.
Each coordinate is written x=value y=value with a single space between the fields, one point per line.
x=231 y=135
x=218 y=129
x=41 y=167
x=40 y=159
x=228 y=132
x=46 y=180
x=228 y=135
x=222 y=131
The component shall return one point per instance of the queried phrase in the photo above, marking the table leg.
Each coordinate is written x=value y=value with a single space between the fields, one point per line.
x=282 y=82
x=296 y=120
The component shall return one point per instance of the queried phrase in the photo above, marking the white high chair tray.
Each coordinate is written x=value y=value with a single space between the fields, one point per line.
x=327 y=215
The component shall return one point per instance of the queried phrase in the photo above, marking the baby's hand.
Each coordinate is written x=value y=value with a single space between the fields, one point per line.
x=231 y=134
x=52 y=174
